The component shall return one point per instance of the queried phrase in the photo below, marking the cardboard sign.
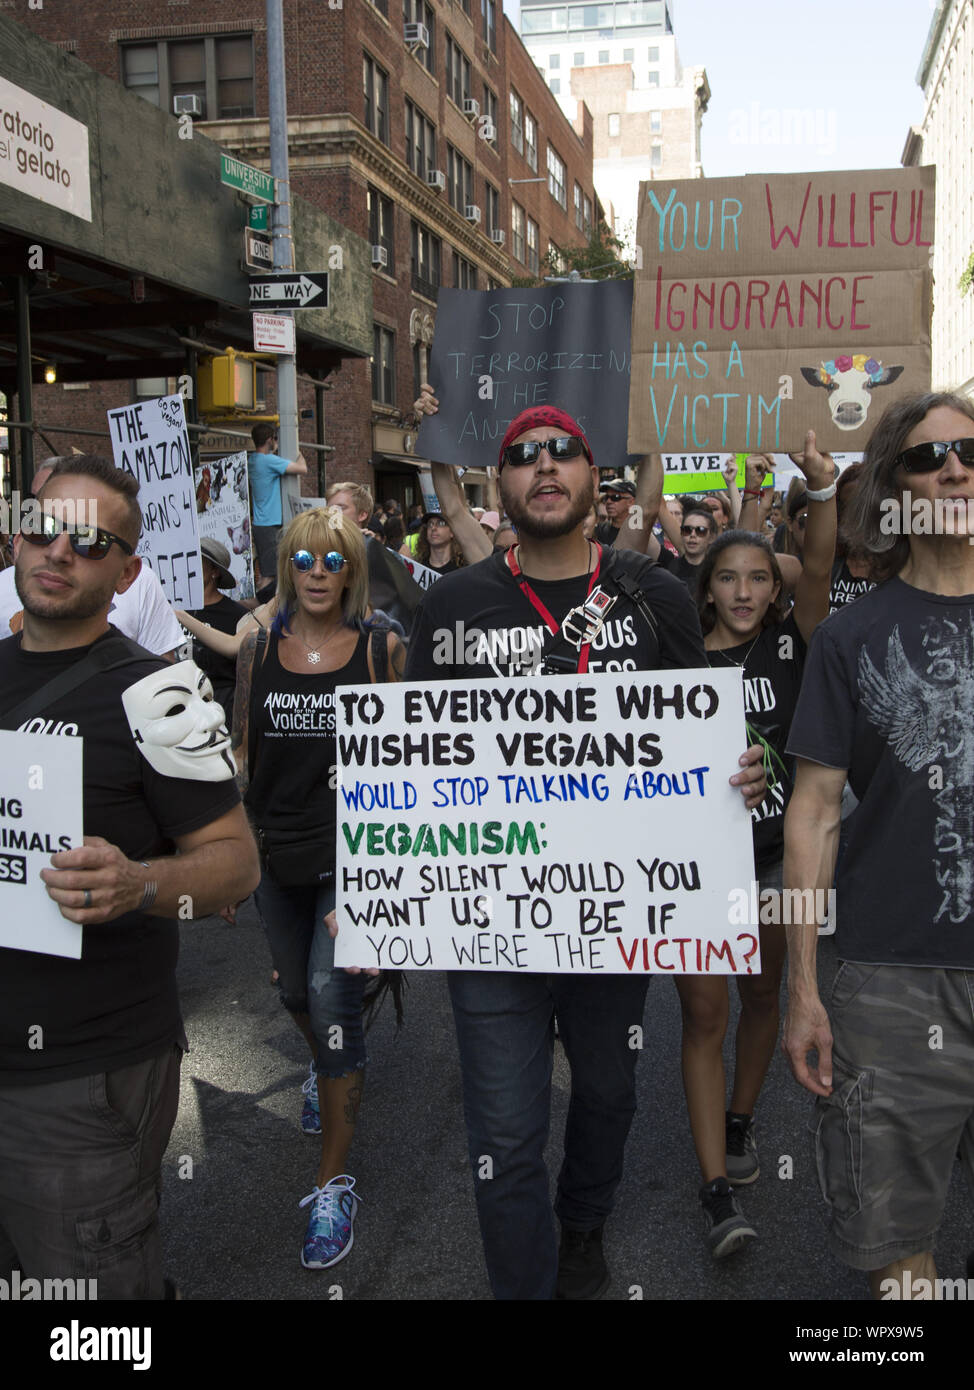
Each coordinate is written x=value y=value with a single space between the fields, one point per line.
x=574 y=823
x=223 y=510
x=497 y=352
x=41 y=812
x=149 y=440
x=769 y=304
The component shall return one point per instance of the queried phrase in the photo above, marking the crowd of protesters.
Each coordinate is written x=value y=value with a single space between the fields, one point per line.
x=856 y=651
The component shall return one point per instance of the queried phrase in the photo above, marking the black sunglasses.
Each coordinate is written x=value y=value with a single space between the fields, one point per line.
x=90 y=542
x=565 y=447
x=927 y=458
x=695 y=530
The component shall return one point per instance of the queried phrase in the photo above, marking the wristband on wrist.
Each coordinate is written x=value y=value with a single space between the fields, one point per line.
x=149 y=892
x=822 y=494
x=751 y=492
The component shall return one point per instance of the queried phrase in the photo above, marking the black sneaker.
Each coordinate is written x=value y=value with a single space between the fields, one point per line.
x=742 y=1152
x=582 y=1271
x=727 y=1227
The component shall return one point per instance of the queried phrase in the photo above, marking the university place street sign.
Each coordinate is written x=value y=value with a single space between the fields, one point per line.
x=247 y=179
x=291 y=289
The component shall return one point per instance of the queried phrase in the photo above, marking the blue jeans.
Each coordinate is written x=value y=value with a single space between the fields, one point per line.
x=304 y=956
x=505 y=1034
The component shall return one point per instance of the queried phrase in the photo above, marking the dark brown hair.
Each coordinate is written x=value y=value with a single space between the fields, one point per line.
x=777 y=609
x=103 y=471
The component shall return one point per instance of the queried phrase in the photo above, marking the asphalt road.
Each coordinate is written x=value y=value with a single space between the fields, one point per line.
x=233 y=1230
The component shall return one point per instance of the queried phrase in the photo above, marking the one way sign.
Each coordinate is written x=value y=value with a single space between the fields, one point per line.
x=292 y=289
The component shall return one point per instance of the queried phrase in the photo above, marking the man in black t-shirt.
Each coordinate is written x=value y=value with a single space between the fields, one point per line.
x=618 y=495
x=888 y=701
x=487 y=619
x=85 y=1116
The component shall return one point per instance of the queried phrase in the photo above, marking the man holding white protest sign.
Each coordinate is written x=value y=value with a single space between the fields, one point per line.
x=90 y=1046
x=504 y=1022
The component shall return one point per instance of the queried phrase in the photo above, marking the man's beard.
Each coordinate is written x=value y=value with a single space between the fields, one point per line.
x=549 y=528
x=71 y=606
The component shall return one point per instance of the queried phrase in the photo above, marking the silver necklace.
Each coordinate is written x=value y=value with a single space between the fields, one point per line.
x=716 y=651
x=314 y=653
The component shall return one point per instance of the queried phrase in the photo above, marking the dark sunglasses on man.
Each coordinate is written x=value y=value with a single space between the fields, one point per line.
x=90 y=542
x=927 y=458
x=694 y=530
x=564 y=447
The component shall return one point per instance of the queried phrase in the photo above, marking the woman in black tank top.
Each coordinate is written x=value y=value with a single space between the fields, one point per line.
x=284 y=738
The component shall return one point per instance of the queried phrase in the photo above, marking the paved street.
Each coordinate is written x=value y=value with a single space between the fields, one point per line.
x=234 y=1231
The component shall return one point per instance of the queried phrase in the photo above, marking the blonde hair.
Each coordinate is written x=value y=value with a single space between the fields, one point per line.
x=319 y=530
x=362 y=499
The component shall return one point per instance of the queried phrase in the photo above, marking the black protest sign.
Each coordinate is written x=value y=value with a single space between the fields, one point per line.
x=498 y=352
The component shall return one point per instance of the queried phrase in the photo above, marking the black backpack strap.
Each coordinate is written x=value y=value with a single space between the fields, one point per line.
x=117 y=650
x=379 y=641
x=613 y=580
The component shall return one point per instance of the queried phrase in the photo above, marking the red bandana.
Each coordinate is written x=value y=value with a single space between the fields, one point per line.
x=543 y=415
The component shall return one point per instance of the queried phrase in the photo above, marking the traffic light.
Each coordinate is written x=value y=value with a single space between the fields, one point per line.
x=227 y=383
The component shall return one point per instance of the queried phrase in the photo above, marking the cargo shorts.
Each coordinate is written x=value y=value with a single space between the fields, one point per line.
x=902 y=1106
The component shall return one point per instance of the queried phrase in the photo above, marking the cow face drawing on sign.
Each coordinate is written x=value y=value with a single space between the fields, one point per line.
x=850 y=382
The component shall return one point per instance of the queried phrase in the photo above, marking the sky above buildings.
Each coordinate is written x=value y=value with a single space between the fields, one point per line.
x=800 y=86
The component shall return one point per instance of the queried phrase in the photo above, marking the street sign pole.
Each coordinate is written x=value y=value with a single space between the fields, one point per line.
x=287 y=376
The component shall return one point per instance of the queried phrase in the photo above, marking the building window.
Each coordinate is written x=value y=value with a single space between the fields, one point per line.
x=488 y=16
x=578 y=207
x=464 y=274
x=492 y=208
x=531 y=139
x=656 y=155
x=419 y=367
x=517 y=122
x=556 y=177
x=555 y=259
x=555 y=85
x=418 y=12
x=382 y=227
x=382 y=6
x=655 y=122
x=628 y=55
x=654 y=54
x=590 y=17
x=587 y=215
x=533 y=262
x=425 y=249
x=653 y=77
x=420 y=142
x=489 y=108
x=614 y=123
x=517 y=232
x=375 y=83
x=459 y=180
x=218 y=71
x=383 y=365
x=554 y=60
x=457 y=73
x=493 y=284
x=603 y=55
x=578 y=60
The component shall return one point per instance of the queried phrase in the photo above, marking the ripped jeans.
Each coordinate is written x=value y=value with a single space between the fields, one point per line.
x=304 y=957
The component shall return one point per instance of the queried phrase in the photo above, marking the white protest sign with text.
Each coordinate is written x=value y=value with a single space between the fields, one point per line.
x=41 y=812
x=150 y=441
x=423 y=575
x=569 y=824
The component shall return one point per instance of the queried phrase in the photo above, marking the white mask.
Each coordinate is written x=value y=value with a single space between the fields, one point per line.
x=178 y=725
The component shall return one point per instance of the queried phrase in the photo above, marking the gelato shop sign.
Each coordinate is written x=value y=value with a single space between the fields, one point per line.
x=43 y=152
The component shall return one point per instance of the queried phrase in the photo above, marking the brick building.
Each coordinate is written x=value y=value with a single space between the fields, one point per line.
x=423 y=126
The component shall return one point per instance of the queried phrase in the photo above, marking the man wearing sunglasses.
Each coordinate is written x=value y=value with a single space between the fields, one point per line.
x=618 y=494
x=888 y=701
x=85 y=1118
x=547 y=481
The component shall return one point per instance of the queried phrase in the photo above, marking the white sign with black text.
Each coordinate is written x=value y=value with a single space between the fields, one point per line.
x=41 y=813
x=574 y=824
x=43 y=152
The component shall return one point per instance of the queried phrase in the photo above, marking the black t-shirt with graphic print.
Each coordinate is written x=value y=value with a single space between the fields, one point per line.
x=846 y=587
x=479 y=622
x=889 y=695
x=117 y=1005
x=773 y=664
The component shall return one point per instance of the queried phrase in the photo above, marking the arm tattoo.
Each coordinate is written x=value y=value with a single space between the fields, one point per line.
x=239 y=734
x=353 y=1099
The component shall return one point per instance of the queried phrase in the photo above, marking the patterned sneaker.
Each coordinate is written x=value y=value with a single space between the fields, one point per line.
x=727 y=1227
x=328 y=1238
x=742 y=1152
x=311 y=1115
